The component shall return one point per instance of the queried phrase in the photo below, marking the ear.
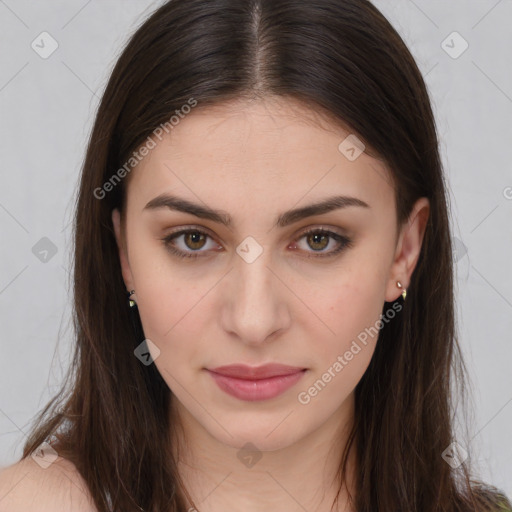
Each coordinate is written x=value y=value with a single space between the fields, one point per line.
x=123 y=254
x=408 y=249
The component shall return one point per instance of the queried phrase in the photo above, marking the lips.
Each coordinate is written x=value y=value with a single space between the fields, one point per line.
x=241 y=371
x=251 y=383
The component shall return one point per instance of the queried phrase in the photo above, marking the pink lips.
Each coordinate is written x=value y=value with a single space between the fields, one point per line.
x=256 y=383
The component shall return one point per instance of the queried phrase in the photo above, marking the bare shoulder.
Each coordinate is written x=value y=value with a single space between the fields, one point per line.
x=28 y=487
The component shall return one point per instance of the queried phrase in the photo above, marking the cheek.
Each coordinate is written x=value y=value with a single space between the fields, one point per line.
x=172 y=318
x=167 y=295
x=343 y=357
x=354 y=307
x=169 y=306
x=177 y=313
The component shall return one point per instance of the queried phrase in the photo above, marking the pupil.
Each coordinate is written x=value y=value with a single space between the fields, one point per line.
x=316 y=238
x=195 y=238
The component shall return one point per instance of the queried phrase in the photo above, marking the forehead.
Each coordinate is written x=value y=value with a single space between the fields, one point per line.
x=274 y=150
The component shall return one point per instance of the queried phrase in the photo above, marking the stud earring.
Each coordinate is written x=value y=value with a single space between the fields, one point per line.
x=404 y=293
x=135 y=318
x=130 y=301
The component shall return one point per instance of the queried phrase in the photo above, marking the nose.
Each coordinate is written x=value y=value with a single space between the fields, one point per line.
x=254 y=304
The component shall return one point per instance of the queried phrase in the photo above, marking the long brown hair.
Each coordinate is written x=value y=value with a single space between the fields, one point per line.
x=343 y=58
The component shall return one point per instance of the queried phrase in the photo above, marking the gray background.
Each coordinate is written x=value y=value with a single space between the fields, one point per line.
x=47 y=107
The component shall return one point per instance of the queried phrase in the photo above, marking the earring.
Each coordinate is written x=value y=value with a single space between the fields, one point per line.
x=135 y=318
x=404 y=293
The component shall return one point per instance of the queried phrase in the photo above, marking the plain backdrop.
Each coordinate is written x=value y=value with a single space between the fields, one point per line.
x=47 y=107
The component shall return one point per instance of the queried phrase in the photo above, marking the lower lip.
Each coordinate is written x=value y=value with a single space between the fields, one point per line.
x=253 y=390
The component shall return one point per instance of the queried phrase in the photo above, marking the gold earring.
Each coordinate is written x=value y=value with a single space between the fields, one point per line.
x=404 y=293
x=130 y=301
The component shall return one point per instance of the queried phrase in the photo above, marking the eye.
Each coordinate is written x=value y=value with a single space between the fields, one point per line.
x=194 y=240
x=319 y=239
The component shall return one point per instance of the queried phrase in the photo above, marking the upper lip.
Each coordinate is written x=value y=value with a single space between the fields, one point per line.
x=242 y=371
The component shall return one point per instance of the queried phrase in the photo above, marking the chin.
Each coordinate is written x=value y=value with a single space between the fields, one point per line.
x=267 y=437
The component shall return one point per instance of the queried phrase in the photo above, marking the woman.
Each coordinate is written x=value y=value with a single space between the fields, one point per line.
x=263 y=277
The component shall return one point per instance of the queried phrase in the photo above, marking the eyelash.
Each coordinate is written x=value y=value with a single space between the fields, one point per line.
x=344 y=242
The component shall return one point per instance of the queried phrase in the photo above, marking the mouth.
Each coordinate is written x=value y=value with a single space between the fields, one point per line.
x=256 y=383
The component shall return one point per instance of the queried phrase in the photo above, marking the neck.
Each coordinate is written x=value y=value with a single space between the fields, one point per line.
x=299 y=476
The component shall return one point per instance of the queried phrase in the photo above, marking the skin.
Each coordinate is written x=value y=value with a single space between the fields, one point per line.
x=254 y=160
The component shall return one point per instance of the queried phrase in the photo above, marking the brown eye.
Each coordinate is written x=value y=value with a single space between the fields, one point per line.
x=194 y=240
x=187 y=243
x=318 y=241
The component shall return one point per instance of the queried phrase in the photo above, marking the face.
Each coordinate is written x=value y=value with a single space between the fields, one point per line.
x=256 y=275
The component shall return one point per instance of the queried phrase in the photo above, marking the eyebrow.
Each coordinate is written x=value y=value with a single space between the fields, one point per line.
x=283 y=220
